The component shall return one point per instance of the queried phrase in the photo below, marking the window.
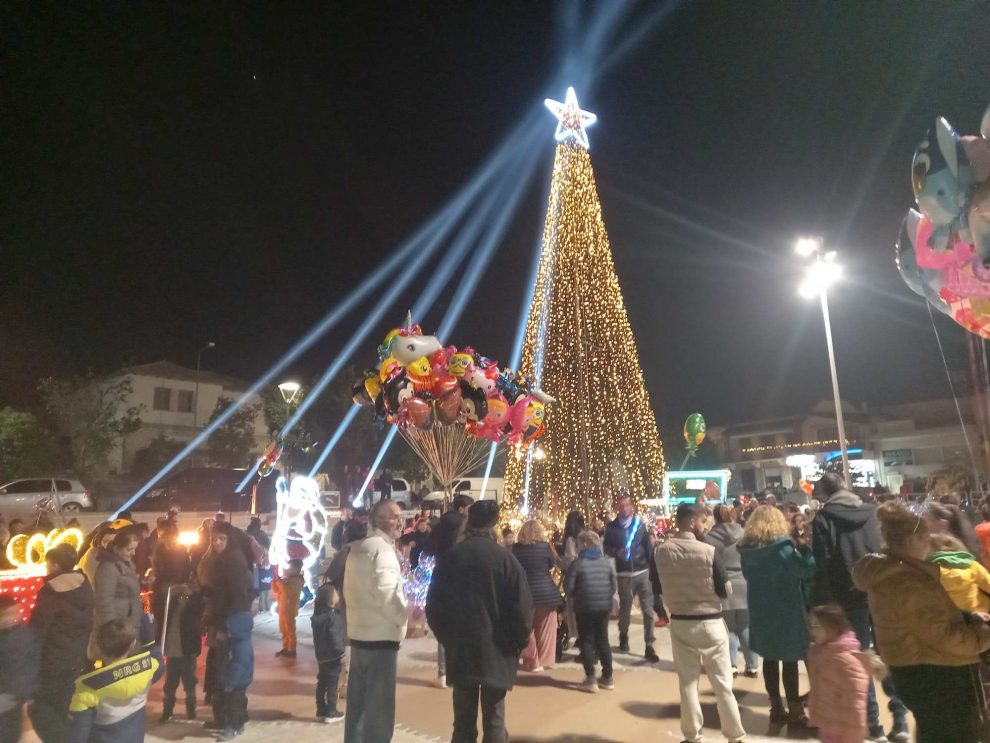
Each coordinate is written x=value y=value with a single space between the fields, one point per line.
x=463 y=486
x=399 y=485
x=163 y=398
x=828 y=434
x=30 y=486
x=931 y=455
x=185 y=401
x=63 y=485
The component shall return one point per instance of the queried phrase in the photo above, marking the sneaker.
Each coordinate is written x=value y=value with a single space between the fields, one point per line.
x=538 y=669
x=230 y=733
x=280 y=653
x=751 y=673
x=590 y=683
x=606 y=683
x=623 y=644
x=440 y=682
x=877 y=735
x=212 y=725
x=289 y=654
x=651 y=654
x=335 y=716
x=898 y=734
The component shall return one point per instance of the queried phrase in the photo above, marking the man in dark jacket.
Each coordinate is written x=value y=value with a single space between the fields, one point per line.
x=628 y=541
x=479 y=607
x=442 y=539
x=842 y=532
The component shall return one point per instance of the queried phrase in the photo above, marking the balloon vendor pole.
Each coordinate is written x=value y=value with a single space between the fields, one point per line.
x=168 y=601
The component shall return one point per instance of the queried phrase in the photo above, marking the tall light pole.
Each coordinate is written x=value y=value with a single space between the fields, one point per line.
x=289 y=391
x=820 y=274
x=199 y=357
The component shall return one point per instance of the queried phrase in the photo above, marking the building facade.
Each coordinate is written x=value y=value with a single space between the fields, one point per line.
x=177 y=402
x=892 y=446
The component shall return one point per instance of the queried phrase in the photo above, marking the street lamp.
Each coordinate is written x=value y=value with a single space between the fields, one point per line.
x=819 y=276
x=289 y=391
x=199 y=357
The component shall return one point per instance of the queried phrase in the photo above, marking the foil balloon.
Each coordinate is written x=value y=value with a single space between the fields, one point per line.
x=448 y=402
x=389 y=368
x=941 y=179
x=694 y=432
x=460 y=364
x=526 y=419
x=409 y=348
x=270 y=456
x=420 y=373
x=397 y=391
x=359 y=395
x=474 y=404
x=418 y=412
x=439 y=363
x=923 y=282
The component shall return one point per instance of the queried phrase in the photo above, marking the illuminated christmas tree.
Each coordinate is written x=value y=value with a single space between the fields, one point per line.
x=601 y=436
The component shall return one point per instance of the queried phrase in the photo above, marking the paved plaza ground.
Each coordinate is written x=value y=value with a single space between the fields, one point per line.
x=543 y=707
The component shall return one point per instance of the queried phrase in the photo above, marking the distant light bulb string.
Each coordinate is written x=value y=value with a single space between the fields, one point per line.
x=955 y=398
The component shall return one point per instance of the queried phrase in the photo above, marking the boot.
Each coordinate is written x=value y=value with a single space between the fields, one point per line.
x=796 y=715
x=778 y=714
x=168 y=706
x=191 y=708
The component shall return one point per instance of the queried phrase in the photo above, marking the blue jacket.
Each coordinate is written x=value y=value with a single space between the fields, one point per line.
x=777 y=579
x=108 y=704
x=239 y=669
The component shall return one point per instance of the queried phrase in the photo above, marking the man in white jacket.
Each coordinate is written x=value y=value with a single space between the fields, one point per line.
x=376 y=623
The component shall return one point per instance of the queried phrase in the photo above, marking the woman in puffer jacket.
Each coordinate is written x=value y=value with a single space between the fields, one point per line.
x=932 y=648
x=117 y=592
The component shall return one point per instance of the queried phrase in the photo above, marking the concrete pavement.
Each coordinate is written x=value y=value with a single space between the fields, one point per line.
x=543 y=708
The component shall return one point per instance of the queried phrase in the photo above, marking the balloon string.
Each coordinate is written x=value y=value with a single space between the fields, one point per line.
x=955 y=398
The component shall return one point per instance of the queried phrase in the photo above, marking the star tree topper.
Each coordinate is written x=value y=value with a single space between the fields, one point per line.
x=571 y=120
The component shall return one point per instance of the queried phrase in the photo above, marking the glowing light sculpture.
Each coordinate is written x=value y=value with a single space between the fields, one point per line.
x=300 y=525
x=601 y=436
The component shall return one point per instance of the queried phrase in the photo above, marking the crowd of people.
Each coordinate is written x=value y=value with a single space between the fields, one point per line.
x=856 y=590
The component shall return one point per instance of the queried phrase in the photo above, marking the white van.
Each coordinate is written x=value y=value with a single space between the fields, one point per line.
x=472 y=486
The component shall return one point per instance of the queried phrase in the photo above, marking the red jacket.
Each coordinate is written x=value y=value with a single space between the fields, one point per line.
x=839 y=680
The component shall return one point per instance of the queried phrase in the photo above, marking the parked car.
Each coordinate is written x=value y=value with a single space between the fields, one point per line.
x=401 y=495
x=471 y=486
x=208 y=489
x=29 y=493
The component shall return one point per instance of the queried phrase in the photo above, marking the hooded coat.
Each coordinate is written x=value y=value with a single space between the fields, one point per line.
x=480 y=609
x=238 y=672
x=842 y=532
x=724 y=538
x=914 y=620
x=590 y=582
x=63 y=620
x=117 y=593
x=775 y=576
x=839 y=681
x=226 y=583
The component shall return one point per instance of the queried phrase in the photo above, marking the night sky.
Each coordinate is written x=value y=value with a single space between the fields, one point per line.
x=179 y=173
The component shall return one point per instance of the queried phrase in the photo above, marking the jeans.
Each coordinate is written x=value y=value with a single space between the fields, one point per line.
x=466 y=714
x=639 y=586
x=326 y=687
x=859 y=618
x=230 y=708
x=943 y=700
x=771 y=680
x=182 y=668
x=593 y=633
x=697 y=644
x=371 y=695
x=737 y=622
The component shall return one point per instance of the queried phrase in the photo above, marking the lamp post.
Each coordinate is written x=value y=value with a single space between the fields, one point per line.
x=199 y=357
x=820 y=274
x=289 y=391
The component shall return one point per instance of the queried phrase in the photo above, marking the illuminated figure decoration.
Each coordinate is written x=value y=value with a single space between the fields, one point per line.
x=300 y=526
x=27 y=554
x=601 y=437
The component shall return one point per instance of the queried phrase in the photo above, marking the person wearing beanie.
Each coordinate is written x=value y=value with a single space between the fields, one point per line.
x=62 y=621
x=479 y=607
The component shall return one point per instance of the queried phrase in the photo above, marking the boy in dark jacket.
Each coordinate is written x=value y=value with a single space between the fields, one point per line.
x=328 y=642
x=182 y=644
x=108 y=704
x=19 y=661
x=237 y=658
x=590 y=583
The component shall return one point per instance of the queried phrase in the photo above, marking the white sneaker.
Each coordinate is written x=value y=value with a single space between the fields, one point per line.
x=590 y=683
x=440 y=682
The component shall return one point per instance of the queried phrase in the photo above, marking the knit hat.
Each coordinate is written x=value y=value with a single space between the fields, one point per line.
x=482 y=514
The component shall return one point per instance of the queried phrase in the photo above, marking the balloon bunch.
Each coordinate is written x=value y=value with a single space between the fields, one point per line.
x=943 y=251
x=271 y=455
x=420 y=383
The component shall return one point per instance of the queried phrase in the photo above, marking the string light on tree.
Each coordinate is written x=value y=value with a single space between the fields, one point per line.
x=601 y=436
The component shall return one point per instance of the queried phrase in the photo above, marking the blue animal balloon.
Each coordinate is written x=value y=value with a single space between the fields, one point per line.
x=942 y=183
x=923 y=282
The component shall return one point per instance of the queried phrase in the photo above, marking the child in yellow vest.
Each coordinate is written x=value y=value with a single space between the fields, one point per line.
x=963 y=577
x=286 y=589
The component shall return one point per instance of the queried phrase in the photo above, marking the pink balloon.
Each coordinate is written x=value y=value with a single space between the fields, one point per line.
x=927 y=257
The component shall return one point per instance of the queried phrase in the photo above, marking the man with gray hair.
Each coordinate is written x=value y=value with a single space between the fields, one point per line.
x=376 y=624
